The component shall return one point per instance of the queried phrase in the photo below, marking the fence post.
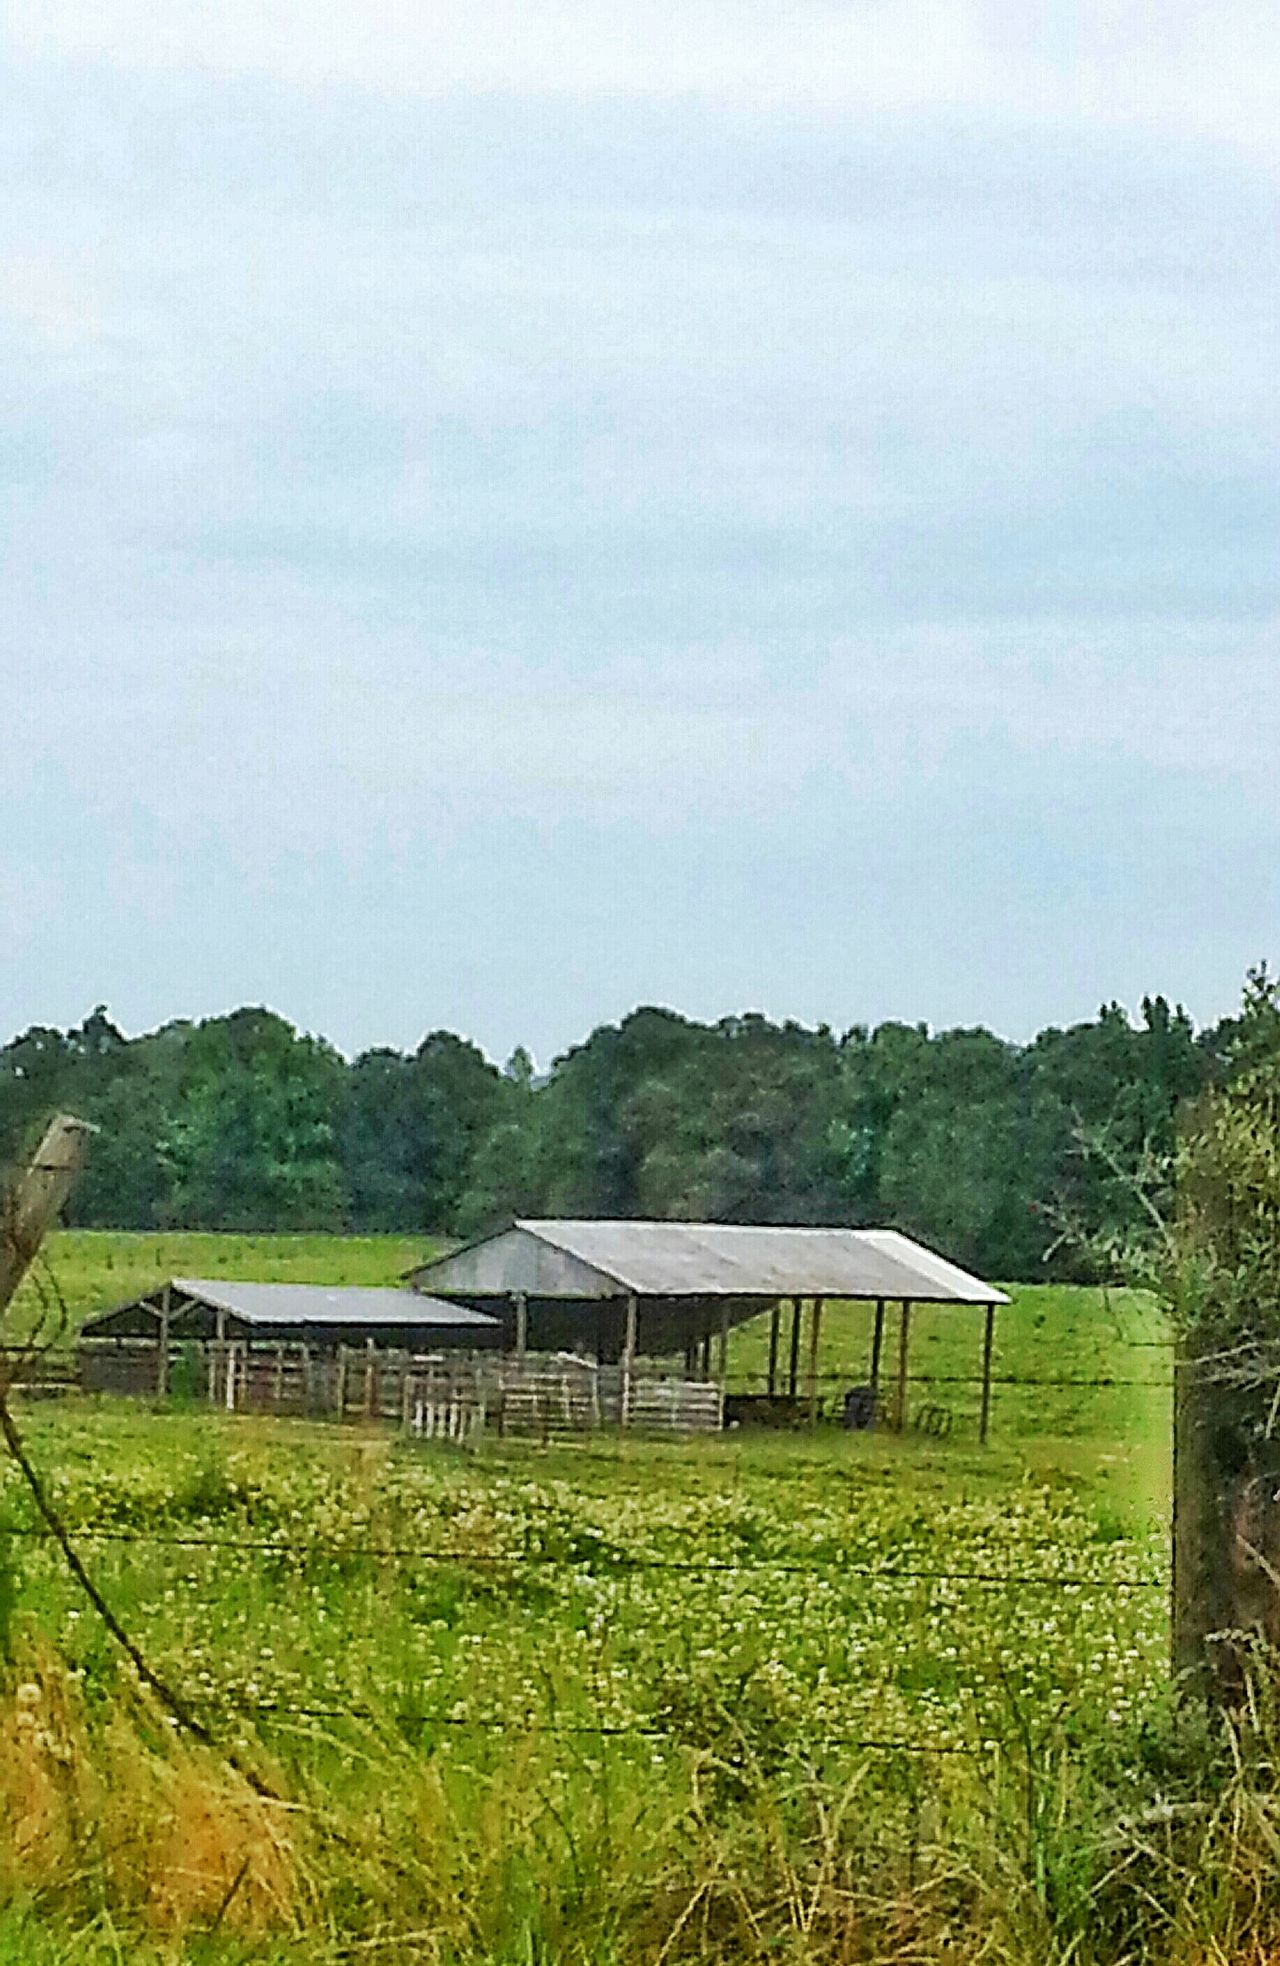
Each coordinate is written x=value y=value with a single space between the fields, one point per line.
x=1226 y=1523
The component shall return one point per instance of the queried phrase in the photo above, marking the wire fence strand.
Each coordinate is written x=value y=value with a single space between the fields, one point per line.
x=614 y=1560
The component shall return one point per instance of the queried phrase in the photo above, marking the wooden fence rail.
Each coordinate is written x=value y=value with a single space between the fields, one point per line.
x=450 y=1395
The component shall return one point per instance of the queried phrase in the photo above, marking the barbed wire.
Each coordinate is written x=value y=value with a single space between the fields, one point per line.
x=615 y=1560
x=532 y=1728
x=63 y=1361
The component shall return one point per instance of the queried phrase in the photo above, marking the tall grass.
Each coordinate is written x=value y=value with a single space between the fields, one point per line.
x=121 y=1842
x=1106 y=1828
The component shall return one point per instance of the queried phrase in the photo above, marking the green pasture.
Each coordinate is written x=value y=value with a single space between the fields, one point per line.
x=541 y=1701
x=93 y=1269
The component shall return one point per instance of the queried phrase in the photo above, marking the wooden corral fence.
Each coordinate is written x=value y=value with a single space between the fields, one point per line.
x=39 y=1375
x=449 y=1395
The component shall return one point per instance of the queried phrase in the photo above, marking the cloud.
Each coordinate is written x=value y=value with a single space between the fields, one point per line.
x=1177 y=67
x=733 y=515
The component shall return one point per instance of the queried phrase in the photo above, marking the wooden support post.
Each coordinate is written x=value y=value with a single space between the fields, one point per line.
x=628 y=1359
x=370 y=1379
x=162 y=1355
x=775 y=1325
x=521 y=1302
x=219 y=1394
x=1226 y=1526
x=877 y=1350
x=988 y=1341
x=904 y=1341
x=815 y=1324
x=793 y=1374
x=278 y=1388
x=33 y=1204
x=706 y=1350
x=722 y=1364
x=691 y=1358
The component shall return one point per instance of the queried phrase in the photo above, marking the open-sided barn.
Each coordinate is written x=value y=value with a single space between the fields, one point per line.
x=622 y=1289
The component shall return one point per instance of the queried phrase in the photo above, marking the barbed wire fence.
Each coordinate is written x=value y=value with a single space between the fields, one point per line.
x=205 y=1716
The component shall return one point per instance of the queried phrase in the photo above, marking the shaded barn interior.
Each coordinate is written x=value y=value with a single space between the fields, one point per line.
x=623 y=1290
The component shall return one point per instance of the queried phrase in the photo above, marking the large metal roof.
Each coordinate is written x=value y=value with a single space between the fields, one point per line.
x=590 y=1259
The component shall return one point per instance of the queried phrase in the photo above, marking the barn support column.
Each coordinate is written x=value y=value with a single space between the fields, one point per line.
x=628 y=1358
x=815 y=1326
x=722 y=1363
x=220 y=1332
x=793 y=1373
x=988 y=1342
x=521 y=1302
x=877 y=1349
x=706 y=1345
x=162 y=1356
x=904 y=1343
x=775 y=1325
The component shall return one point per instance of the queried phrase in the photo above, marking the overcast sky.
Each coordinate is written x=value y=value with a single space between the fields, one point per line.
x=512 y=511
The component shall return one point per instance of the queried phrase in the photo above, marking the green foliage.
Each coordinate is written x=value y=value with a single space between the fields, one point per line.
x=1224 y=1256
x=242 y=1122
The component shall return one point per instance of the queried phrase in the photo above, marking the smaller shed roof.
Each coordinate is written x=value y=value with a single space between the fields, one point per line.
x=585 y=1259
x=321 y=1303
x=278 y=1307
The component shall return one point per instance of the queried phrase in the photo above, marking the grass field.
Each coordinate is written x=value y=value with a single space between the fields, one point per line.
x=621 y=1701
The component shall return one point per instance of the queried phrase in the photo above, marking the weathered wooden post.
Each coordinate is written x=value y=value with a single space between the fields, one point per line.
x=33 y=1204
x=877 y=1349
x=628 y=1359
x=904 y=1346
x=162 y=1355
x=1226 y=1519
x=815 y=1326
x=775 y=1326
x=988 y=1342
x=793 y=1362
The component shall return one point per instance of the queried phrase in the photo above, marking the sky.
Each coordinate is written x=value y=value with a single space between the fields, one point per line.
x=513 y=512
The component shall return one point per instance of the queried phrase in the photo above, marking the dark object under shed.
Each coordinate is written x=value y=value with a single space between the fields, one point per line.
x=860 y=1404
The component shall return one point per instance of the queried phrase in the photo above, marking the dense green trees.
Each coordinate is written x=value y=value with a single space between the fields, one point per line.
x=959 y=1137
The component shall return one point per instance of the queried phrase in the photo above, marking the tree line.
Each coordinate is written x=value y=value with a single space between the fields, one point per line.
x=959 y=1137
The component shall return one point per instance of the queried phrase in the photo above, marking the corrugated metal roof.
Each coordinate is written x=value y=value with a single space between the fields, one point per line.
x=320 y=1303
x=703 y=1259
